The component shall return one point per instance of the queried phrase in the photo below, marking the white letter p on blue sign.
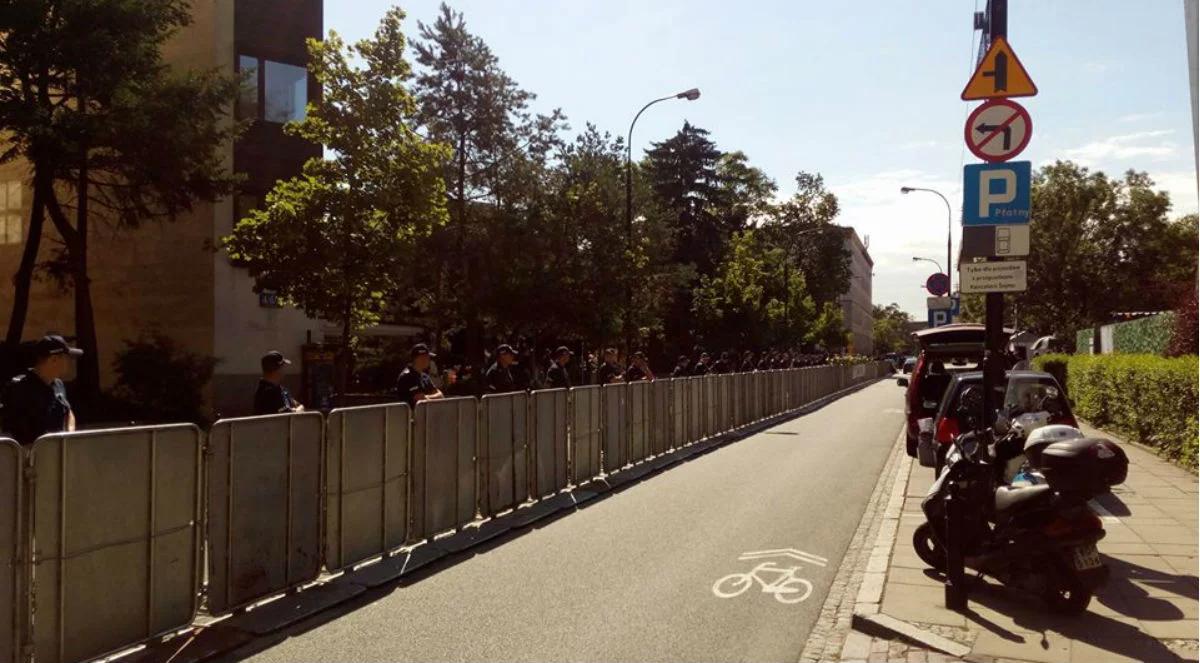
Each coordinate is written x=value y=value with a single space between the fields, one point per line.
x=996 y=193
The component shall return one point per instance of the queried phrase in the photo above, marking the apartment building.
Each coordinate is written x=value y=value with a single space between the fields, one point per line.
x=857 y=313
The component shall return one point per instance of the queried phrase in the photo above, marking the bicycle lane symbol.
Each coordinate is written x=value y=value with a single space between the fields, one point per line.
x=782 y=582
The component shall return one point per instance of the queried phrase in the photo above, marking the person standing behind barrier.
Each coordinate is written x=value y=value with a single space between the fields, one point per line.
x=723 y=364
x=414 y=384
x=702 y=365
x=638 y=369
x=272 y=397
x=499 y=377
x=35 y=402
x=748 y=362
x=557 y=376
x=683 y=367
x=610 y=371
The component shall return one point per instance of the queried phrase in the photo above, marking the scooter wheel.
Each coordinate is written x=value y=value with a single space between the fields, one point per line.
x=1067 y=595
x=929 y=549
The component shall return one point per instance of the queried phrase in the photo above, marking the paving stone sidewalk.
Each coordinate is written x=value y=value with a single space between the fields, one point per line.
x=1147 y=612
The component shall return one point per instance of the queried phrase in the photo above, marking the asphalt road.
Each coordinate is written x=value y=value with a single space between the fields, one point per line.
x=630 y=577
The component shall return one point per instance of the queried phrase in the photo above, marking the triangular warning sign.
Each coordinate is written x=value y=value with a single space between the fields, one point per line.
x=998 y=75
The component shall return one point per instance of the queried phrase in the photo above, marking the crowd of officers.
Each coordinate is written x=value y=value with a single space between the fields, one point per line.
x=35 y=402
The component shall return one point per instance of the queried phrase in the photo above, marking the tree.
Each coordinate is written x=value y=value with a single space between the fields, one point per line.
x=111 y=133
x=470 y=104
x=829 y=331
x=804 y=225
x=331 y=241
x=683 y=174
x=890 y=328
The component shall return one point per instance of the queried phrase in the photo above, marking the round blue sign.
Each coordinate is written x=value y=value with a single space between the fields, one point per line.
x=938 y=284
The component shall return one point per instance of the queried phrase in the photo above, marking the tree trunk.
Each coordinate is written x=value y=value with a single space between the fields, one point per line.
x=87 y=374
x=23 y=279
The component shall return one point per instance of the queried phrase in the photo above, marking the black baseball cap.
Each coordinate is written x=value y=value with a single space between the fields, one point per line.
x=505 y=348
x=273 y=360
x=562 y=349
x=53 y=344
x=420 y=349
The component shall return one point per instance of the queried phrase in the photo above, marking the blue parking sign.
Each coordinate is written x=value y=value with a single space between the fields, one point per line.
x=996 y=193
x=939 y=317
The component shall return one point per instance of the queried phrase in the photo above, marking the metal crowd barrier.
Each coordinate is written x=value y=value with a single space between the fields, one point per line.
x=116 y=538
x=638 y=411
x=549 y=426
x=444 y=458
x=12 y=572
x=615 y=431
x=264 y=506
x=367 y=451
x=505 y=426
x=586 y=424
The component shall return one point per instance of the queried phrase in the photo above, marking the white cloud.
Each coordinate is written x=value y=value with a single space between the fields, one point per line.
x=1139 y=117
x=1141 y=144
x=1181 y=186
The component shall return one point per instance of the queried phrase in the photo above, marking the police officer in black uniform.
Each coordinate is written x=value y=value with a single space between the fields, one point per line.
x=499 y=376
x=610 y=371
x=748 y=362
x=638 y=368
x=683 y=367
x=35 y=402
x=272 y=397
x=702 y=365
x=414 y=384
x=557 y=376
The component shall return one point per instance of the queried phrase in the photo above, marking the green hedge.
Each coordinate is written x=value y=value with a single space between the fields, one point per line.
x=1149 y=335
x=1147 y=398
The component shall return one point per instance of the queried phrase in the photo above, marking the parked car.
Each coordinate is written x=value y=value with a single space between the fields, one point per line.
x=960 y=346
x=909 y=364
x=1019 y=387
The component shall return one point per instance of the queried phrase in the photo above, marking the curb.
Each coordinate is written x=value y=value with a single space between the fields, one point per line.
x=868 y=618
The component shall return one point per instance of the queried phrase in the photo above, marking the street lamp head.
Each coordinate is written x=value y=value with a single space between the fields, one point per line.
x=691 y=95
x=906 y=189
x=916 y=259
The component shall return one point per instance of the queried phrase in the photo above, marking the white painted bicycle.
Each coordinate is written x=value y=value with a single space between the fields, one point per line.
x=780 y=581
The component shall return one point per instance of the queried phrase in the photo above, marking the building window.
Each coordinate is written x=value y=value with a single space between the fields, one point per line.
x=272 y=91
x=247 y=102
x=10 y=213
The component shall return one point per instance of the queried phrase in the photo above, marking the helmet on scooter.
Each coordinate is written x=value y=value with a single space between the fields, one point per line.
x=1044 y=436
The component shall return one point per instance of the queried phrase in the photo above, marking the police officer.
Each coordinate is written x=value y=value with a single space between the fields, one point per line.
x=557 y=376
x=638 y=369
x=748 y=362
x=499 y=376
x=723 y=364
x=35 y=402
x=611 y=371
x=414 y=384
x=702 y=365
x=272 y=397
x=683 y=367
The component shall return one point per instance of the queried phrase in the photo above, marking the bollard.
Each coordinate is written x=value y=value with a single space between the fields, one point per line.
x=956 y=581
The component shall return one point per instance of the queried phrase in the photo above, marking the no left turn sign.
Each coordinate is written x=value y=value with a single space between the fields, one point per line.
x=998 y=130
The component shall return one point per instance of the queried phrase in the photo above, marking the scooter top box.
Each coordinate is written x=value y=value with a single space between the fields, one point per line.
x=1088 y=465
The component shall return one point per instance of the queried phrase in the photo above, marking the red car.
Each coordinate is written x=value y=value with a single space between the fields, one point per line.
x=944 y=351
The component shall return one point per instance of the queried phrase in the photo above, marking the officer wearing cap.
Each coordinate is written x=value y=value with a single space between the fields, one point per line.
x=414 y=384
x=683 y=367
x=499 y=378
x=272 y=397
x=638 y=369
x=35 y=402
x=557 y=376
x=702 y=366
x=610 y=371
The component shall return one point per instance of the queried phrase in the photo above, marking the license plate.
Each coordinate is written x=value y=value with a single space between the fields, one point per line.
x=1086 y=557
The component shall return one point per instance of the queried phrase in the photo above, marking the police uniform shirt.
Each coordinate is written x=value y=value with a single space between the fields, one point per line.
x=748 y=366
x=720 y=366
x=500 y=379
x=607 y=372
x=700 y=369
x=557 y=377
x=681 y=371
x=413 y=382
x=271 y=398
x=31 y=408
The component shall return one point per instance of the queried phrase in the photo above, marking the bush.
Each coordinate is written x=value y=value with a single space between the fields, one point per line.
x=1185 y=336
x=1147 y=398
x=1149 y=335
x=159 y=382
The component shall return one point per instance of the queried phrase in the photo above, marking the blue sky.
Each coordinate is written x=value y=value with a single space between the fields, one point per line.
x=866 y=94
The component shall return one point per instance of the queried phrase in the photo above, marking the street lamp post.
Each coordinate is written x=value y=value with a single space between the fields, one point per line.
x=691 y=95
x=949 y=233
x=935 y=263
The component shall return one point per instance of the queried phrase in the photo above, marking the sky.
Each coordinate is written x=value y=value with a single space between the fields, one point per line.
x=865 y=94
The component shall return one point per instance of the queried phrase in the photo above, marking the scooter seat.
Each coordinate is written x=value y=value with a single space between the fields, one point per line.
x=1008 y=498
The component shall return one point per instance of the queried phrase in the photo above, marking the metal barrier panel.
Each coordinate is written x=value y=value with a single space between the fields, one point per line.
x=616 y=426
x=264 y=516
x=13 y=602
x=549 y=428
x=660 y=416
x=444 y=459
x=780 y=405
x=736 y=399
x=366 y=482
x=116 y=538
x=586 y=425
x=639 y=420
x=678 y=435
x=505 y=461
x=708 y=385
x=695 y=409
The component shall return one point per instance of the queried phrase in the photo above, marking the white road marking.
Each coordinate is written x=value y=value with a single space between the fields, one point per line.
x=785 y=552
x=782 y=582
